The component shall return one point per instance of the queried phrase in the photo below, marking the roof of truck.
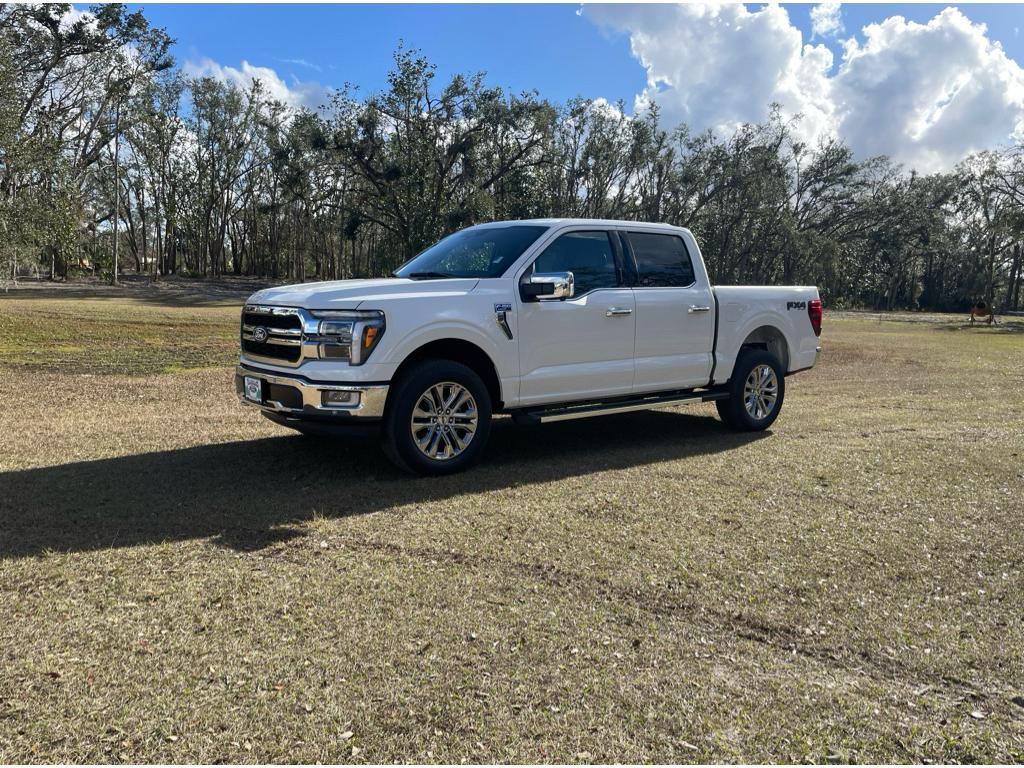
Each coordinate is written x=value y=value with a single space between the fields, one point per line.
x=598 y=222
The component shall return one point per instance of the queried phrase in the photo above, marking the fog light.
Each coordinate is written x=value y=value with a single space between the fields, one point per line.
x=343 y=398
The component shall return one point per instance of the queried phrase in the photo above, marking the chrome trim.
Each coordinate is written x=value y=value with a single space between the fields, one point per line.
x=271 y=339
x=563 y=284
x=265 y=309
x=278 y=331
x=372 y=397
x=618 y=312
x=309 y=325
x=308 y=337
x=651 y=403
x=501 y=317
x=694 y=308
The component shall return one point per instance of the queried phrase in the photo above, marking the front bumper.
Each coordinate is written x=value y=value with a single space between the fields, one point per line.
x=297 y=396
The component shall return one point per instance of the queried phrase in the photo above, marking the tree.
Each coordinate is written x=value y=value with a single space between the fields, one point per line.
x=97 y=153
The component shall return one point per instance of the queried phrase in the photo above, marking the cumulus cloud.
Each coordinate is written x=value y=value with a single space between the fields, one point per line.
x=825 y=20
x=929 y=93
x=719 y=66
x=298 y=93
x=926 y=94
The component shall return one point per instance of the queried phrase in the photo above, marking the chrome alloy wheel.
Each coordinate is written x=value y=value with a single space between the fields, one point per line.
x=444 y=421
x=761 y=391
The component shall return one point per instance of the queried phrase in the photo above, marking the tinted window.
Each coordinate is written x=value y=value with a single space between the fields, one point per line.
x=661 y=260
x=588 y=255
x=473 y=252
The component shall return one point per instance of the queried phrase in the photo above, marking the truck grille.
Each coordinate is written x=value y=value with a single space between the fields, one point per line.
x=272 y=332
x=279 y=322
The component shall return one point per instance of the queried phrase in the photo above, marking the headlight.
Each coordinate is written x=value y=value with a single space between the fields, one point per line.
x=348 y=334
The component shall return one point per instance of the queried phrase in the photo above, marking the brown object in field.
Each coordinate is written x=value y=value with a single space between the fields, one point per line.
x=981 y=311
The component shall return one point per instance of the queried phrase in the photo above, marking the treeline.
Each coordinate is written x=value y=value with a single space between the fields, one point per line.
x=100 y=133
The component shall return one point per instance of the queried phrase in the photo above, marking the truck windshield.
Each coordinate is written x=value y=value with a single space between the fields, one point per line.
x=472 y=252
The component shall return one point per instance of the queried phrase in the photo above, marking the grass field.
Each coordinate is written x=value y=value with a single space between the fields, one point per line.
x=180 y=580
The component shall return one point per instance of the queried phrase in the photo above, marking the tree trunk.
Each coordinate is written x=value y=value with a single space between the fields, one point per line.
x=117 y=187
x=1013 y=287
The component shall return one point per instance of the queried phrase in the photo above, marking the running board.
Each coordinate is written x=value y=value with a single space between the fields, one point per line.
x=544 y=415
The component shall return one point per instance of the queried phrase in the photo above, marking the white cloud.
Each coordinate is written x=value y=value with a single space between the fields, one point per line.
x=73 y=15
x=719 y=66
x=309 y=94
x=303 y=63
x=926 y=94
x=825 y=20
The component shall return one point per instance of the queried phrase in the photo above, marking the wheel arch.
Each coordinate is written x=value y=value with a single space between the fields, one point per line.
x=771 y=339
x=459 y=351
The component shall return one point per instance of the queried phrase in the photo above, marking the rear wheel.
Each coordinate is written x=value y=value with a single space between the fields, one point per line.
x=756 y=391
x=438 y=418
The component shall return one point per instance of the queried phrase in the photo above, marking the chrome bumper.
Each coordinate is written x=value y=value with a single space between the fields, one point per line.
x=370 y=406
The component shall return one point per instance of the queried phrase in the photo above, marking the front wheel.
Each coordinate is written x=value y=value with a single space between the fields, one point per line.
x=438 y=418
x=756 y=390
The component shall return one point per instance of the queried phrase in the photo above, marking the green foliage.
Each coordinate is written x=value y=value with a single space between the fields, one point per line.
x=63 y=85
x=241 y=183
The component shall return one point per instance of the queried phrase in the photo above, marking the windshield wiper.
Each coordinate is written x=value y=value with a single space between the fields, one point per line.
x=428 y=275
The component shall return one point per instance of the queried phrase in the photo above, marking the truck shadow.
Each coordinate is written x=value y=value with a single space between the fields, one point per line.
x=247 y=495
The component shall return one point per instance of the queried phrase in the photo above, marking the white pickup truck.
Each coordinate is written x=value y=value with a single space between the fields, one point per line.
x=545 y=320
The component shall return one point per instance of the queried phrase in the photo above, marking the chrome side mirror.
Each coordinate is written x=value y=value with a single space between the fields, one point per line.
x=547 y=286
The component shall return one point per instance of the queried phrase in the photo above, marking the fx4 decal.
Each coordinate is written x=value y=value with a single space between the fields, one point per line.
x=796 y=305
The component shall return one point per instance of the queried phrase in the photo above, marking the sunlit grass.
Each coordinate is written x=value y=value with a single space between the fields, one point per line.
x=115 y=335
x=182 y=581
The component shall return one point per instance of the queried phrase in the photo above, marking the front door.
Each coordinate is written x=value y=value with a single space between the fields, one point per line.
x=581 y=347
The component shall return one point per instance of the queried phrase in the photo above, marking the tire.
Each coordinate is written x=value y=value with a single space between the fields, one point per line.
x=739 y=410
x=440 y=441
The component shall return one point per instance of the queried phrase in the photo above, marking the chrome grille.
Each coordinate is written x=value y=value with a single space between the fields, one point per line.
x=291 y=335
x=273 y=334
x=277 y=321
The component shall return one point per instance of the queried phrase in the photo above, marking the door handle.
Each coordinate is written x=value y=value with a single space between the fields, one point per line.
x=693 y=308
x=618 y=312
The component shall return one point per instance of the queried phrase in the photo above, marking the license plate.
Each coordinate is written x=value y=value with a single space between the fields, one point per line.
x=253 y=389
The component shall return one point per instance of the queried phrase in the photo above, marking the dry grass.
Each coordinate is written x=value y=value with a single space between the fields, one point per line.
x=182 y=581
x=133 y=337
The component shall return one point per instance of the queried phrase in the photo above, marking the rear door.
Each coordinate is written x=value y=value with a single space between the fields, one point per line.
x=581 y=347
x=675 y=317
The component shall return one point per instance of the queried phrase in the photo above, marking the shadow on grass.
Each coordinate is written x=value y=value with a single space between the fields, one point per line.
x=252 y=494
x=1003 y=326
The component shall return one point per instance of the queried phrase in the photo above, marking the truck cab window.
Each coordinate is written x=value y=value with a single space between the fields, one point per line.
x=662 y=261
x=485 y=251
x=588 y=255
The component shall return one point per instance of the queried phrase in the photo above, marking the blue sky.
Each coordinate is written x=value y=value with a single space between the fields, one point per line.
x=547 y=47
x=938 y=70
x=552 y=48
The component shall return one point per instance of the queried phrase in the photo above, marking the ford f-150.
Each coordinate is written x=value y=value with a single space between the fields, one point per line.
x=545 y=320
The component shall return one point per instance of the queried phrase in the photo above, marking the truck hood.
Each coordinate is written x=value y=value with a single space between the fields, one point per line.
x=350 y=294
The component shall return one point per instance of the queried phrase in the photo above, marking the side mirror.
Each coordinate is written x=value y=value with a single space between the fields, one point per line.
x=547 y=286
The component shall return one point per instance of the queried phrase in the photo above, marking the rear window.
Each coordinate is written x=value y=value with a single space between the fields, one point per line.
x=662 y=261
